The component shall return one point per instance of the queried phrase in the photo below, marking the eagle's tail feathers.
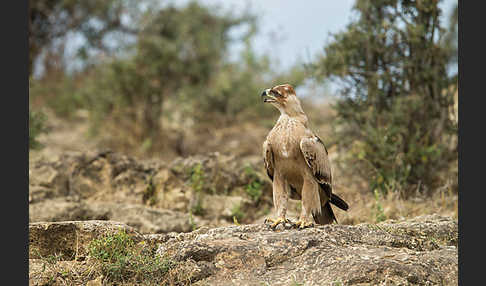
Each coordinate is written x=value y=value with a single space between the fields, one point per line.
x=340 y=203
x=326 y=216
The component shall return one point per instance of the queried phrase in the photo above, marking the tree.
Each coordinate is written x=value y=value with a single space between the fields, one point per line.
x=391 y=64
x=177 y=64
x=178 y=51
x=51 y=21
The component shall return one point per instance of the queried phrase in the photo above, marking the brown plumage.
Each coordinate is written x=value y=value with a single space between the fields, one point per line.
x=297 y=162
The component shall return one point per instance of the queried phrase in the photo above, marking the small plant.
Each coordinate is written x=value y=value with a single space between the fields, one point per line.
x=380 y=214
x=191 y=221
x=255 y=187
x=121 y=259
x=37 y=126
x=197 y=178
x=53 y=259
x=197 y=183
x=235 y=220
x=197 y=208
x=149 y=193
x=237 y=213
x=254 y=190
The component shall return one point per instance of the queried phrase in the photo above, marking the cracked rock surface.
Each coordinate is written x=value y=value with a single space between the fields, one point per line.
x=419 y=251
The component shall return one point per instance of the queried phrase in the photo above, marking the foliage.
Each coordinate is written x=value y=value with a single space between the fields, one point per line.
x=62 y=93
x=233 y=93
x=379 y=213
x=177 y=53
x=255 y=187
x=254 y=190
x=396 y=94
x=37 y=126
x=197 y=184
x=191 y=221
x=149 y=192
x=197 y=178
x=235 y=220
x=52 y=21
x=175 y=70
x=121 y=260
x=237 y=213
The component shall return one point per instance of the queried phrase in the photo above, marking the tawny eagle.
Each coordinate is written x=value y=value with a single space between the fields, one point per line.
x=297 y=162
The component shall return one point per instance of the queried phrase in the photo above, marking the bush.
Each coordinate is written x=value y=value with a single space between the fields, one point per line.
x=254 y=188
x=175 y=74
x=37 y=126
x=178 y=52
x=62 y=93
x=122 y=260
x=396 y=95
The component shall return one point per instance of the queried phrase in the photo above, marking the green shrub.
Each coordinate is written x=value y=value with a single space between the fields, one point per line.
x=121 y=259
x=149 y=193
x=237 y=213
x=254 y=190
x=379 y=213
x=255 y=187
x=63 y=94
x=37 y=126
x=197 y=180
x=396 y=95
x=401 y=154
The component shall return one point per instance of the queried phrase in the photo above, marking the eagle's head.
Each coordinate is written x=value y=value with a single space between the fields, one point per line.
x=283 y=98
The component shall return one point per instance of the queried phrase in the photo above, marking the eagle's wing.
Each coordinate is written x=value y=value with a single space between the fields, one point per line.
x=268 y=159
x=269 y=165
x=315 y=155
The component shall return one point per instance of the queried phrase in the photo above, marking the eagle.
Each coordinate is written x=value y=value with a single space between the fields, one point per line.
x=297 y=162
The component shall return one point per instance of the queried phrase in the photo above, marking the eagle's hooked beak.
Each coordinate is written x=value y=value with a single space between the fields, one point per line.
x=267 y=96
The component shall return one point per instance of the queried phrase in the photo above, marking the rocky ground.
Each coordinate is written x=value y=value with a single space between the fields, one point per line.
x=151 y=196
x=420 y=251
x=199 y=220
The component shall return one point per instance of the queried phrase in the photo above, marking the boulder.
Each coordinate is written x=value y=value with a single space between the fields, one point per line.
x=143 y=218
x=419 y=251
x=152 y=196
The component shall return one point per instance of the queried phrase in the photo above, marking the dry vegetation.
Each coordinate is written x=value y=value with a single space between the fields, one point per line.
x=244 y=141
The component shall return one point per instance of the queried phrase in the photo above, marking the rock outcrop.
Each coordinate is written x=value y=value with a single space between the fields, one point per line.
x=419 y=251
x=151 y=196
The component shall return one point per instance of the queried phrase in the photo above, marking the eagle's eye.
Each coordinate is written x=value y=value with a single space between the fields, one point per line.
x=276 y=93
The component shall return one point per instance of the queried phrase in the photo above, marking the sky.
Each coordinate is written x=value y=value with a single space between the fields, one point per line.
x=301 y=28
x=293 y=31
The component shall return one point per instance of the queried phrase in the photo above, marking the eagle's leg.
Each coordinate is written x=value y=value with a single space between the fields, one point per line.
x=310 y=204
x=305 y=219
x=280 y=200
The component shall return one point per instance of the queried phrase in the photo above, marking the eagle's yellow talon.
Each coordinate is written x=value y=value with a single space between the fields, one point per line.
x=303 y=224
x=277 y=221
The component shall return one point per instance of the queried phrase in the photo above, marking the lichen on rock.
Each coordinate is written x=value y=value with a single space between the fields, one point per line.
x=419 y=251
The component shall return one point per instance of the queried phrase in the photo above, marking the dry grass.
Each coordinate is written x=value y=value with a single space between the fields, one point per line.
x=364 y=206
x=244 y=140
x=113 y=260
